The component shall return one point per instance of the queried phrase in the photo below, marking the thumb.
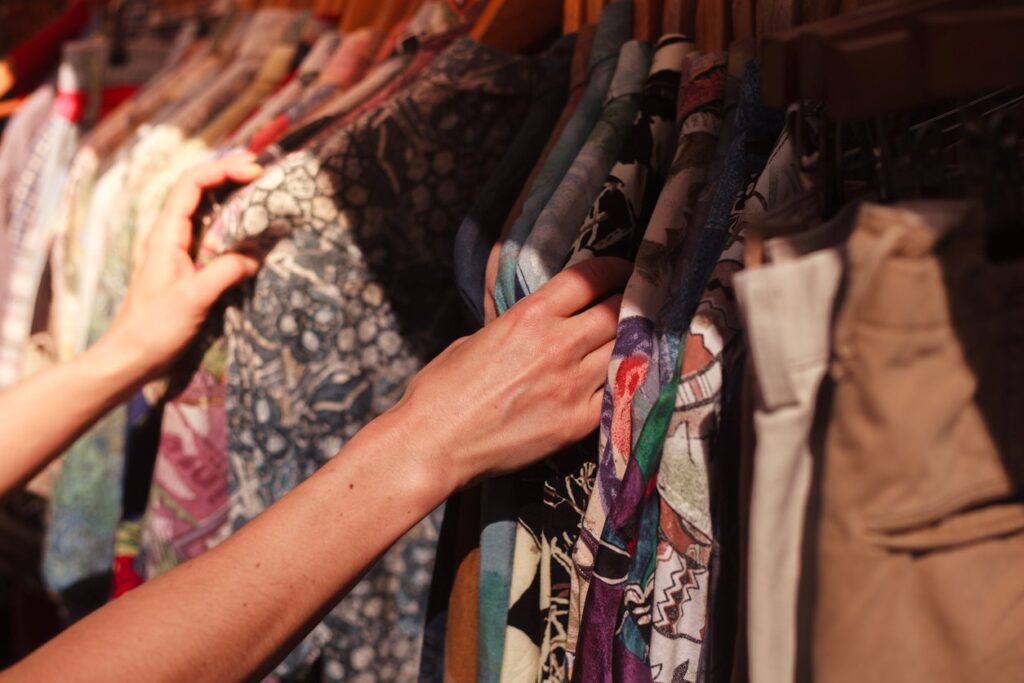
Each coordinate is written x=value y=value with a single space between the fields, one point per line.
x=221 y=274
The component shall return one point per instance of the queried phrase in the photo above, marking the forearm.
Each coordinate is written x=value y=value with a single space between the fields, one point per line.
x=234 y=612
x=43 y=415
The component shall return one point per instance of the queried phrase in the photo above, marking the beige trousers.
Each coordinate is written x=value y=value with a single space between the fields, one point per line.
x=920 y=560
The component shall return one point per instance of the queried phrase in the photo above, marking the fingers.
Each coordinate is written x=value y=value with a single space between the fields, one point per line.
x=575 y=288
x=595 y=326
x=594 y=406
x=175 y=226
x=219 y=275
x=594 y=367
x=594 y=371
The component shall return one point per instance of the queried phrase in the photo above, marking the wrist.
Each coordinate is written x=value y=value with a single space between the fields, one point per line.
x=120 y=364
x=425 y=458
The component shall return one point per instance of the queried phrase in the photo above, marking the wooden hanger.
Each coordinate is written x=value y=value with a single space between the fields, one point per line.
x=359 y=14
x=328 y=8
x=952 y=51
x=813 y=44
x=788 y=58
x=744 y=19
x=573 y=16
x=514 y=25
x=775 y=16
x=413 y=8
x=647 y=16
x=713 y=25
x=594 y=10
x=680 y=16
x=389 y=13
x=801 y=75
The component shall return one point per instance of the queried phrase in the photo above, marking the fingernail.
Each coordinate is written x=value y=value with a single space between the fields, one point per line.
x=246 y=156
x=253 y=169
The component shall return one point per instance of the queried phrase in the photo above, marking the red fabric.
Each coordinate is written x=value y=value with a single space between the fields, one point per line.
x=125 y=576
x=34 y=58
x=291 y=77
x=71 y=105
x=269 y=133
x=114 y=96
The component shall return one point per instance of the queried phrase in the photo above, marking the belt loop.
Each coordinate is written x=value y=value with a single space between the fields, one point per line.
x=863 y=262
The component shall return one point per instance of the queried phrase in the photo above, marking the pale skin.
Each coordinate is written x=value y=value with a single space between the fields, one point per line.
x=519 y=389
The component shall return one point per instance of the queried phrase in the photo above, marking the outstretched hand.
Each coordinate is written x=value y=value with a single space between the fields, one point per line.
x=524 y=386
x=168 y=298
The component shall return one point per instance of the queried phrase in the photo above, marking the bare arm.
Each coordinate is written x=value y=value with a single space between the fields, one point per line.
x=42 y=416
x=234 y=612
x=524 y=386
x=166 y=304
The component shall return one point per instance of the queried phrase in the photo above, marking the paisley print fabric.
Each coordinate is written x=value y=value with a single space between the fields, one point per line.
x=634 y=352
x=681 y=427
x=187 y=510
x=686 y=410
x=354 y=297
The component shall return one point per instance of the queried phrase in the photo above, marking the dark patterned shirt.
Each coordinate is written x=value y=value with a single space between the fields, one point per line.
x=354 y=297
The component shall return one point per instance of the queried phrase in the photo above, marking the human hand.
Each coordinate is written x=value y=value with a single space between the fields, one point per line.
x=168 y=298
x=524 y=386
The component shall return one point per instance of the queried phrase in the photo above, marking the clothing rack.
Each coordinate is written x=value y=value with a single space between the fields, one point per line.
x=765 y=164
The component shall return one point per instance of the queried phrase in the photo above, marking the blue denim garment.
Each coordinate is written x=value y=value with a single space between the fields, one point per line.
x=757 y=129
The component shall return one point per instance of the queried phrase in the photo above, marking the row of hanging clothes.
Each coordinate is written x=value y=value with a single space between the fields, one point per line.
x=800 y=454
x=807 y=459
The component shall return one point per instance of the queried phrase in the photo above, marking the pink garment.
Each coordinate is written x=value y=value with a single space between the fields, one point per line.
x=188 y=499
x=343 y=70
x=421 y=61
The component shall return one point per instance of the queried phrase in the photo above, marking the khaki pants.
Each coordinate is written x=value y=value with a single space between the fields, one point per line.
x=920 y=560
